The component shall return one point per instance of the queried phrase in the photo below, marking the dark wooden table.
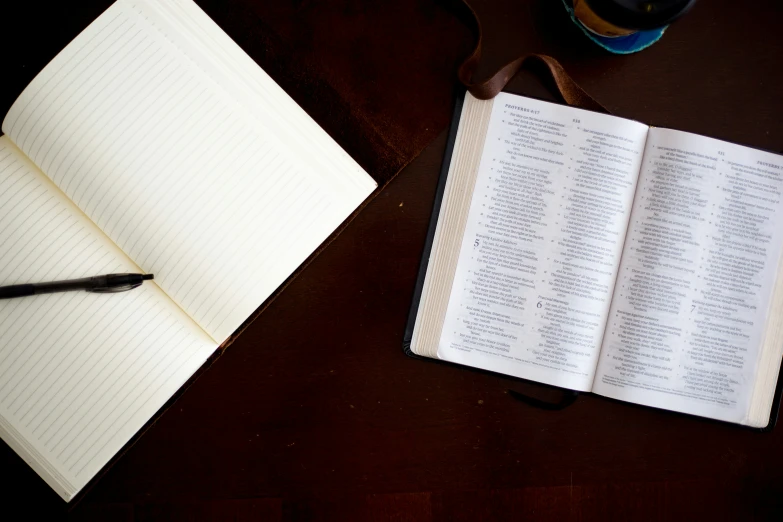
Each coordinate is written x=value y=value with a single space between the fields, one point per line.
x=315 y=413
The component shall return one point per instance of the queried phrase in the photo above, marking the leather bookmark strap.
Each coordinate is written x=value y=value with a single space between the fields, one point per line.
x=568 y=89
x=568 y=398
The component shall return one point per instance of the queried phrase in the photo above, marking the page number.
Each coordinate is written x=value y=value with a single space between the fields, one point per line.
x=577 y=121
x=721 y=153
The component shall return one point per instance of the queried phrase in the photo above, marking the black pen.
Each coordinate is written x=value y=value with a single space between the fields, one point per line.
x=100 y=284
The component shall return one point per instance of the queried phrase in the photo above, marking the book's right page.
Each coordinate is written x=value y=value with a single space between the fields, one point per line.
x=693 y=293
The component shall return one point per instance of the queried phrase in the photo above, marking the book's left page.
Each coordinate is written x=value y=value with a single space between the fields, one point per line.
x=80 y=373
x=535 y=246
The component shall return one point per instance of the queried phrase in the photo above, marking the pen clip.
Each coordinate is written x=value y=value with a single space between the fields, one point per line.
x=114 y=289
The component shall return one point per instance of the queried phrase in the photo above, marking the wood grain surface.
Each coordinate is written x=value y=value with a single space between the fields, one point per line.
x=314 y=413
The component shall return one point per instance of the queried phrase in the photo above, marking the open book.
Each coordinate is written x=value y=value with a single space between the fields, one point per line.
x=151 y=144
x=599 y=254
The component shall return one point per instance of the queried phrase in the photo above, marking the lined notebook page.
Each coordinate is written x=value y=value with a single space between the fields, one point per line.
x=80 y=373
x=158 y=130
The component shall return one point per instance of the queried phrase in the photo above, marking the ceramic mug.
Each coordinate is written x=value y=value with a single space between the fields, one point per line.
x=616 y=18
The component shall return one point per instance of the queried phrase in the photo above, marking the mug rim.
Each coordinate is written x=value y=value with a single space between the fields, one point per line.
x=628 y=14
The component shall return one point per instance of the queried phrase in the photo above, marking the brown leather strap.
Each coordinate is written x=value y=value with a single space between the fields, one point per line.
x=568 y=89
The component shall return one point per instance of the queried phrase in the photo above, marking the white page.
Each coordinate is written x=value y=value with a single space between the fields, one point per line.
x=170 y=141
x=696 y=277
x=540 y=252
x=80 y=373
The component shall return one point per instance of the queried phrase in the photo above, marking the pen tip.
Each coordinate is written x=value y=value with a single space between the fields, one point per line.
x=147 y=277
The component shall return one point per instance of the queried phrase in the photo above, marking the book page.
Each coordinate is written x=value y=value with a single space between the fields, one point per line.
x=80 y=373
x=693 y=294
x=200 y=168
x=542 y=243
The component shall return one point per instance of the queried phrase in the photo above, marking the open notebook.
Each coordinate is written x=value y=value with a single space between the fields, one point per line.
x=151 y=144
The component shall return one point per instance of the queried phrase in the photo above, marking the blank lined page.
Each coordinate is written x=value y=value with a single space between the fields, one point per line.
x=157 y=130
x=80 y=373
